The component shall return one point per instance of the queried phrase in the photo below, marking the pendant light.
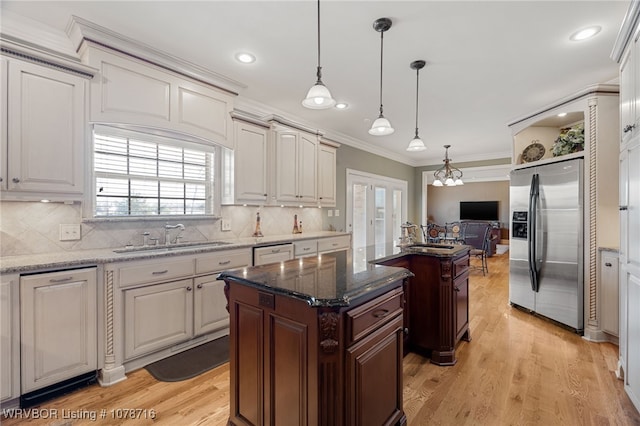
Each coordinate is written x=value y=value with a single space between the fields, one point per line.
x=447 y=175
x=318 y=97
x=416 y=143
x=381 y=126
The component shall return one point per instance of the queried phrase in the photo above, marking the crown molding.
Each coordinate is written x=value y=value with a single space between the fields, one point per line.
x=80 y=30
x=628 y=31
x=593 y=90
x=266 y=111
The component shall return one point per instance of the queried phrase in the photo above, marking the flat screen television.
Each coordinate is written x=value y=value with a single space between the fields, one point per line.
x=479 y=210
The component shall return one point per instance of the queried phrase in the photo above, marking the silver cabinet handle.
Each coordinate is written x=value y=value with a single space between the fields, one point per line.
x=306 y=249
x=60 y=280
x=226 y=262
x=607 y=264
x=188 y=288
x=275 y=250
x=628 y=128
x=15 y=180
x=159 y=272
x=622 y=208
x=199 y=286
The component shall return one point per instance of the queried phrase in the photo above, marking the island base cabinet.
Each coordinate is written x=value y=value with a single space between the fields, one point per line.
x=294 y=364
x=58 y=327
x=374 y=378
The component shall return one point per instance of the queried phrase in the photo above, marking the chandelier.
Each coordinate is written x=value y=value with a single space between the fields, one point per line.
x=447 y=175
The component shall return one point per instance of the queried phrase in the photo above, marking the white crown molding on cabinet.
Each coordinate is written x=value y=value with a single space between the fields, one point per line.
x=80 y=30
x=626 y=32
x=596 y=89
x=27 y=39
x=247 y=117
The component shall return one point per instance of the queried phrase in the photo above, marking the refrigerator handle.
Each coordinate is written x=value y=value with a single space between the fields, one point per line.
x=532 y=234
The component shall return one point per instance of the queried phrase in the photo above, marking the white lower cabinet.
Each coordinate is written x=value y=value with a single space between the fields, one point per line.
x=610 y=294
x=209 y=306
x=160 y=313
x=10 y=333
x=58 y=326
x=157 y=316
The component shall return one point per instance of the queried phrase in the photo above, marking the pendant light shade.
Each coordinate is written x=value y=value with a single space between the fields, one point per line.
x=381 y=126
x=416 y=143
x=318 y=97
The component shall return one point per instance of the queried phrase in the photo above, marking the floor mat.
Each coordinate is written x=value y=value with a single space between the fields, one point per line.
x=192 y=362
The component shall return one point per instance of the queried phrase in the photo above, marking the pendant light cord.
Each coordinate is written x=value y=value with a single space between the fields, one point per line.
x=381 y=54
x=417 y=86
x=319 y=72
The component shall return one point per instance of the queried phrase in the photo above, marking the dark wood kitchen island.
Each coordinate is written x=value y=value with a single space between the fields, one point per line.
x=316 y=341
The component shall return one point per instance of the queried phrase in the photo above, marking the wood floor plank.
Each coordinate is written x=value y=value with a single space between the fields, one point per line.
x=518 y=369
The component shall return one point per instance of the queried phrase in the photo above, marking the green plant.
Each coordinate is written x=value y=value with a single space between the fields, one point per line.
x=571 y=139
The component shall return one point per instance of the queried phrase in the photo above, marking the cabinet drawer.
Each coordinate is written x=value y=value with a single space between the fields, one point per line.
x=222 y=260
x=366 y=318
x=460 y=266
x=154 y=271
x=334 y=243
x=271 y=254
x=305 y=248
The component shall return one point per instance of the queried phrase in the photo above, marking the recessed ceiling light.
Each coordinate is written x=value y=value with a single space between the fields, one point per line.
x=342 y=105
x=585 y=33
x=562 y=114
x=245 y=58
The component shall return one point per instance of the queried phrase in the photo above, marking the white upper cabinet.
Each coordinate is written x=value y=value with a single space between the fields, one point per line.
x=250 y=163
x=129 y=91
x=627 y=95
x=296 y=167
x=46 y=133
x=327 y=176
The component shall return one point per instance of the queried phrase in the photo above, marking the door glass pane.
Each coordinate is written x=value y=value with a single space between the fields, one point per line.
x=359 y=215
x=397 y=214
x=380 y=215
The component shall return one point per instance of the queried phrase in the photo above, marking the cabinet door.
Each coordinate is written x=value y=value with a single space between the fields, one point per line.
x=374 y=377
x=10 y=334
x=46 y=131
x=307 y=168
x=461 y=305
x=58 y=327
x=627 y=94
x=210 y=306
x=327 y=176
x=4 y=77
x=250 y=158
x=157 y=316
x=286 y=163
x=610 y=295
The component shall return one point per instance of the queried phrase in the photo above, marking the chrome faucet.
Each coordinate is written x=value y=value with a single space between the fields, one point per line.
x=167 y=230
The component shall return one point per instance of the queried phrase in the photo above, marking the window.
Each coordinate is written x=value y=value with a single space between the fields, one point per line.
x=138 y=174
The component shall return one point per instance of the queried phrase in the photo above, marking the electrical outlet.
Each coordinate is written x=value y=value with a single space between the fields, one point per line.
x=330 y=213
x=69 y=232
x=225 y=225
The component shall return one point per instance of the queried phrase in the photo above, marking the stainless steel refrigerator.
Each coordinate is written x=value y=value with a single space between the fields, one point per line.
x=546 y=244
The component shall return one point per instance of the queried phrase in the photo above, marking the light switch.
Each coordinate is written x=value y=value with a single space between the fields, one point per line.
x=337 y=213
x=330 y=213
x=69 y=232
x=225 y=225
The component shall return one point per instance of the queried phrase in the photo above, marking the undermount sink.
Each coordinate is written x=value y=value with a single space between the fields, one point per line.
x=171 y=247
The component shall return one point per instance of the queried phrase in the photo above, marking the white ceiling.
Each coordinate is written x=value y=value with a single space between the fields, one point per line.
x=488 y=62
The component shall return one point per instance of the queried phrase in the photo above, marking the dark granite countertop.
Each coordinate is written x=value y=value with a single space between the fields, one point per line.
x=332 y=279
x=336 y=279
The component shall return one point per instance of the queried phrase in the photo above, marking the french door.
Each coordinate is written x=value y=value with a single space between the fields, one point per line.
x=376 y=207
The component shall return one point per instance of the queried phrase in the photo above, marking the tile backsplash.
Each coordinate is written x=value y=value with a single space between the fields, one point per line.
x=34 y=227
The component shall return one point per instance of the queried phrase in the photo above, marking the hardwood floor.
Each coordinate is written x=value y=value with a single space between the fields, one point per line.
x=517 y=370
